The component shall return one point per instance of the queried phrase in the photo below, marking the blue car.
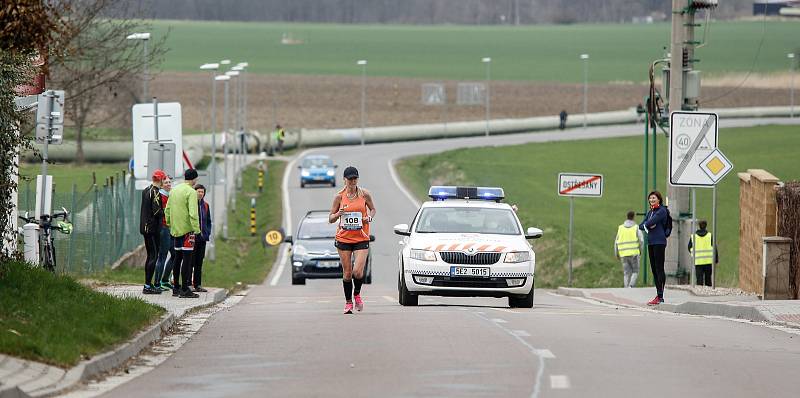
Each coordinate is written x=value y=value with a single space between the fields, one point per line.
x=317 y=169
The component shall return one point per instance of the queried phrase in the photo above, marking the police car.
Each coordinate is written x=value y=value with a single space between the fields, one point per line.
x=466 y=242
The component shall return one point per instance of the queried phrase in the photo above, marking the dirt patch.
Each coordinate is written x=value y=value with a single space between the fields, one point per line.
x=335 y=101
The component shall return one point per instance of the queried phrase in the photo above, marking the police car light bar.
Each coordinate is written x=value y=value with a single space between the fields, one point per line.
x=439 y=192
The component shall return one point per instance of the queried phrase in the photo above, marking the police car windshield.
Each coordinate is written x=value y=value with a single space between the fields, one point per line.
x=467 y=220
x=316 y=228
x=317 y=162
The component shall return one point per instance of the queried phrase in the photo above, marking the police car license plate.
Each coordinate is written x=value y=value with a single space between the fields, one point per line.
x=469 y=271
x=327 y=264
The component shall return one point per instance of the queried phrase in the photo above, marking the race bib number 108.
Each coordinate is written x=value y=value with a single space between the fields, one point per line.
x=352 y=221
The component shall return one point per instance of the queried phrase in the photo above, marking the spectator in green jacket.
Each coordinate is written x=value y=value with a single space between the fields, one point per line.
x=184 y=224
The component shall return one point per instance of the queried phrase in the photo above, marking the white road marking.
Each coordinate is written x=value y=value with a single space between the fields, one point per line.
x=559 y=382
x=506 y=310
x=323 y=301
x=547 y=354
x=521 y=333
x=498 y=320
x=389 y=299
x=287 y=217
x=400 y=185
x=535 y=351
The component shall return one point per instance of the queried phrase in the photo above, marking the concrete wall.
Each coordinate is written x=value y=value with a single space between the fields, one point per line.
x=757 y=219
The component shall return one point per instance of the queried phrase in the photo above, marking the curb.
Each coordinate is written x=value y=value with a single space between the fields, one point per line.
x=749 y=313
x=113 y=359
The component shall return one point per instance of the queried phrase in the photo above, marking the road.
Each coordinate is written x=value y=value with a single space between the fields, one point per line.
x=284 y=340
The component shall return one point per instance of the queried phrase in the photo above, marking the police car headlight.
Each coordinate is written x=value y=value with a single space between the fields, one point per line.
x=331 y=173
x=423 y=279
x=299 y=250
x=517 y=257
x=305 y=173
x=423 y=255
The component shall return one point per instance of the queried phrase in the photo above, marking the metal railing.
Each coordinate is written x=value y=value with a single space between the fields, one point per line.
x=105 y=218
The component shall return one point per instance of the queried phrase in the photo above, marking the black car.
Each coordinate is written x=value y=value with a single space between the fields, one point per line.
x=314 y=255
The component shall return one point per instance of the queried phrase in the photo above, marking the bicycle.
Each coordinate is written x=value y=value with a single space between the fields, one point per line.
x=47 y=249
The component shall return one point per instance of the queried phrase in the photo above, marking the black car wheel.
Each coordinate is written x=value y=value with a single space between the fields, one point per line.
x=525 y=301
x=302 y=184
x=298 y=281
x=405 y=297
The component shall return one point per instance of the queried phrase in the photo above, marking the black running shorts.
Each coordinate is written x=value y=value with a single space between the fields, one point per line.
x=352 y=246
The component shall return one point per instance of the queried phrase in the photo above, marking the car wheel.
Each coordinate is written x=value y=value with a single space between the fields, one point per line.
x=368 y=276
x=333 y=184
x=302 y=184
x=525 y=301
x=298 y=281
x=405 y=297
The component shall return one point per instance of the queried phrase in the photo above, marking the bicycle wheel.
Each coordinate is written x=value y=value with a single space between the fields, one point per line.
x=48 y=256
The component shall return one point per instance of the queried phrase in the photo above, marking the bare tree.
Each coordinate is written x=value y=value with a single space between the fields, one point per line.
x=100 y=65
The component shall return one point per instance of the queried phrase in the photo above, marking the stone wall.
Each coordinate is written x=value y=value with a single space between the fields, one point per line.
x=757 y=219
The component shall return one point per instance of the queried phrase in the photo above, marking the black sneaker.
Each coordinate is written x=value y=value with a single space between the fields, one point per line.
x=200 y=289
x=150 y=290
x=176 y=292
x=188 y=294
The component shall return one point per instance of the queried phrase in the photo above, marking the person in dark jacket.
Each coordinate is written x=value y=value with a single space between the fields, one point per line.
x=205 y=236
x=151 y=217
x=562 y=119
x=164 y=266
x=654 y=224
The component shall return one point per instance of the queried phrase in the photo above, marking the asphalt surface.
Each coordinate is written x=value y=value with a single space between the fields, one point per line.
x=284 y=340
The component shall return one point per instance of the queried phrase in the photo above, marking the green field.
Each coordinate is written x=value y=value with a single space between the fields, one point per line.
x=541 y=53
x=529 y=173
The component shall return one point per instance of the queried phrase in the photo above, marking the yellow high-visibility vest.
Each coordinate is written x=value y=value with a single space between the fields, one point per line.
x=704 y=253
x=627 y=241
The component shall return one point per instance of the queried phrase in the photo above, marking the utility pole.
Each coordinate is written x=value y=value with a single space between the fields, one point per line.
x=676 y=256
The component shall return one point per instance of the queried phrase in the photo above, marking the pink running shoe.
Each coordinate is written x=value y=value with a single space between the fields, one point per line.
x=348 y=308
x=359 y=303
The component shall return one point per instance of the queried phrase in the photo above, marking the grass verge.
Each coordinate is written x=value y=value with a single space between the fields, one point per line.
x=241 y=258
x=56 y=320
x=529 y=173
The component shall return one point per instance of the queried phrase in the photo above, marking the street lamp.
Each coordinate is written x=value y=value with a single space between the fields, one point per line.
x=145 y=37
x=363 y=64
x=488 y=62
x=231 y=74
x=225 y=78
x=792 y=69
x=213 y=67
x=585 y=58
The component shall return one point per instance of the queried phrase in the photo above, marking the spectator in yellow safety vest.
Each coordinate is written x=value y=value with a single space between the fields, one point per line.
x=705 y=255
x=627 y=247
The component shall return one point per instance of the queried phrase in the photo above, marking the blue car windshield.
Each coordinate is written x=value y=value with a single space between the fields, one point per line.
x=317 y=163
x=316 y=228
x=467 y=220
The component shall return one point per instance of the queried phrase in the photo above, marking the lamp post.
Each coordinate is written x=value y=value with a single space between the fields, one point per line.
x=237 y=133
x=488 y=101
x=585 y=58
x=231 y=74
x=145 y=37
x=213 y=67
x=792 y=69
x=363 y=64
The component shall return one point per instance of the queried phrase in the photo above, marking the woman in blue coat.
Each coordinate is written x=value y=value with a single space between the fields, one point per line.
x=655 y=225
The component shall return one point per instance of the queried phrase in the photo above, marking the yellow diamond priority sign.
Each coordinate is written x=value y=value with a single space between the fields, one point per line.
x=716 y=165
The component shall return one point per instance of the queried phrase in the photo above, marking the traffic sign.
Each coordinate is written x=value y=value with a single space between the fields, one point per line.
x=693 y=137
x=44 y=112
x=169 y=130
x=433 y=94
x=54 y=135
x=580 y=184
x=273 y=237
x=716 y=166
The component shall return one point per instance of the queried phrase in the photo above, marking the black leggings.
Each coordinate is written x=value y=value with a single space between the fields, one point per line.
x=703 y=274
x=657 y=266
x=151 y=243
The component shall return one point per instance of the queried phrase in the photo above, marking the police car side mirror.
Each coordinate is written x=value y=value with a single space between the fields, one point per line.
x=336 y=166
x=288 y=239
x=402 y=229
x=533 y=233
x=372 y=238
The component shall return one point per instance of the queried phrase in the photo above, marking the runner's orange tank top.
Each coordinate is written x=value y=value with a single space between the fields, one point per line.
x=357 y=205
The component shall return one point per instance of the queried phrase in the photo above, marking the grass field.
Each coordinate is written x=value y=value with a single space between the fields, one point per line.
x=540 y=53
x=240 y=258
x=56 y=320
x=529 y=174
x=66 y=174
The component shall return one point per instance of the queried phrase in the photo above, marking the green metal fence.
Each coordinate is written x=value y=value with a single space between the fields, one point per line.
x=105 y=218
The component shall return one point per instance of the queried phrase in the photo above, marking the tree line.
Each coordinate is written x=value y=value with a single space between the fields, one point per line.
x=469 y=12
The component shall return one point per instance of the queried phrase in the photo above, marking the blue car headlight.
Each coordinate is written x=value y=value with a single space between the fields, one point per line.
x=331 y=173
x=305 y=173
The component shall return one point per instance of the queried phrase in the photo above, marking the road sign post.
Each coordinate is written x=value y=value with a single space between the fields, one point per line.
x=49 y=119
x=572 y=185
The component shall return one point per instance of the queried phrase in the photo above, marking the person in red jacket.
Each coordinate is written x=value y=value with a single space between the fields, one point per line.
x=151 y=217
